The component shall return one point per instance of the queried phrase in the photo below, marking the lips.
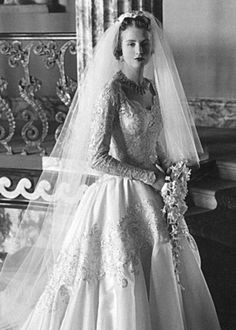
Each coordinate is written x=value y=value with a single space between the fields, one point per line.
x=139 y=59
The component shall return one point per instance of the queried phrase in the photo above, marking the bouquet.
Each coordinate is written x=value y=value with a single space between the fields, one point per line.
x=174 y=193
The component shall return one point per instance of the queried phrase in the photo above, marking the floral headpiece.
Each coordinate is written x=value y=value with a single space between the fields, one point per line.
x=131 y=14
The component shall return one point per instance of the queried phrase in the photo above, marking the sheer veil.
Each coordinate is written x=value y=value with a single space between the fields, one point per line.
x=26 y=272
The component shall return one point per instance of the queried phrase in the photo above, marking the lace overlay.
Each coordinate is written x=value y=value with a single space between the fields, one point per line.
x=124 y=135
x=113 y=252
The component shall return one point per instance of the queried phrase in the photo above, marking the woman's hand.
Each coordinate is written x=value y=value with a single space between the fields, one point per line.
x=160 y=180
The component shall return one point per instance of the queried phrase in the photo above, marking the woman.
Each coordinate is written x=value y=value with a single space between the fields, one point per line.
x=104 y=259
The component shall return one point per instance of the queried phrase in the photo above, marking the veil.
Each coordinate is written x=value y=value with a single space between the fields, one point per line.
x=26 y=272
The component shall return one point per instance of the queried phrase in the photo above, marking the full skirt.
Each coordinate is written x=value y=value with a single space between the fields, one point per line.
x=115 y=270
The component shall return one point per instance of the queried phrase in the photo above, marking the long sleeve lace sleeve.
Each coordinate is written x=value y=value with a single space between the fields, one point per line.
x=164 y=161
x=105 y=112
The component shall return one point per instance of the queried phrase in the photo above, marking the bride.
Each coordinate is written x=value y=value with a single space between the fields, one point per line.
x=103 y=259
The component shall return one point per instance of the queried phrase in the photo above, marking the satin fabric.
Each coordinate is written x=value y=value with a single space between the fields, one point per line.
x=151 y=298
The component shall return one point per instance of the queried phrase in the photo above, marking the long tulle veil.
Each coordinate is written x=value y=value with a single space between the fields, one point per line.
x=26 y=272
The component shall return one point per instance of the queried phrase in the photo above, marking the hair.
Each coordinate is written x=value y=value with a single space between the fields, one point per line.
x=140 y=21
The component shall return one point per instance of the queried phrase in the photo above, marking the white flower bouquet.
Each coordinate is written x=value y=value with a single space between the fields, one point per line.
x=174 y=193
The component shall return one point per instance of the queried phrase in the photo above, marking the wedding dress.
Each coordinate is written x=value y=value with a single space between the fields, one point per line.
x=115 y=269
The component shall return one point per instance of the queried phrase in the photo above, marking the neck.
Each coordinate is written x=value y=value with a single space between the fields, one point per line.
x=135 y=75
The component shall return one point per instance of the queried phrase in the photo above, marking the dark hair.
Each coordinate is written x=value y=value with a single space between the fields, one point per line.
x=141 y=22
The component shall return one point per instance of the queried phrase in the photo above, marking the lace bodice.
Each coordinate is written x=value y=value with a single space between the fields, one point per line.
x=124 y=135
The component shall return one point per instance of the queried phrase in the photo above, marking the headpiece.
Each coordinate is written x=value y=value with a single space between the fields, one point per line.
x=131 y=14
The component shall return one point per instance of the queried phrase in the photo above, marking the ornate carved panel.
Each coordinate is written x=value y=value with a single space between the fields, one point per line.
x=21 y=51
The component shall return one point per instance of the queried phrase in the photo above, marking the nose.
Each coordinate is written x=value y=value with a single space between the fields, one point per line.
x=138 y=50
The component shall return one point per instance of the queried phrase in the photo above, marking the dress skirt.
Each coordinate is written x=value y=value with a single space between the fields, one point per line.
x=115 y=270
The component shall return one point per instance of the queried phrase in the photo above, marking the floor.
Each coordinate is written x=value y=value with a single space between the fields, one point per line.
x=219 y=268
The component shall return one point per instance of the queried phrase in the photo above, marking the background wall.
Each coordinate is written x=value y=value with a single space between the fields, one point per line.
x=16 y=21
x=202 y=34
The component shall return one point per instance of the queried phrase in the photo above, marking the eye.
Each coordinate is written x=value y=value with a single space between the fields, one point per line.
x=145 y=43
x=131 y=44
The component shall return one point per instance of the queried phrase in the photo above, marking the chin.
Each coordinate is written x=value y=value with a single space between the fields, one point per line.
x=138 y=64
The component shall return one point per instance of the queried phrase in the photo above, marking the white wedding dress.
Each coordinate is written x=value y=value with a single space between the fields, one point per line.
x=115 y=269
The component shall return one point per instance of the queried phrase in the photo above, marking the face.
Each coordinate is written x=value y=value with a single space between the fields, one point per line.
x=136 y=46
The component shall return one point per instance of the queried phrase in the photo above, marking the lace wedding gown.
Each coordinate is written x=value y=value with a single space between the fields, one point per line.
x=115 y=269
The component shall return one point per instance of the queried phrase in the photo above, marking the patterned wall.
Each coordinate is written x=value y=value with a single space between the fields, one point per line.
x=219 y=113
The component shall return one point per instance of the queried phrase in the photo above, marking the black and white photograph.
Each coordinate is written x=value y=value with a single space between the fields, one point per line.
x=117 y=165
